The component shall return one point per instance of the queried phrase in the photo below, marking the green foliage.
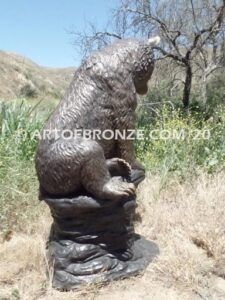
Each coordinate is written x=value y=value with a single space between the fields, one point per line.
x=18 y=124
x=182 y=143
x=15 y=294
x=215 y=93
x=18 y=184
x=161 y=111
x=18 y=199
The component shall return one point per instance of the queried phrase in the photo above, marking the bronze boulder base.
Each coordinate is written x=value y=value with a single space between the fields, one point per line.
x=93 y=241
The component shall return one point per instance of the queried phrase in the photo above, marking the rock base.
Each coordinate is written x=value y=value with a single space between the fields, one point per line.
x=93 y=241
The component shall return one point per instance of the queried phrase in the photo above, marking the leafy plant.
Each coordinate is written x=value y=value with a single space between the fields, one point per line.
x=182 y=143
x=18 y=184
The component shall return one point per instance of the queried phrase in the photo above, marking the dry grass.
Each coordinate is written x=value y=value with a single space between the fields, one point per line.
x=17 y=71
x=185 y=220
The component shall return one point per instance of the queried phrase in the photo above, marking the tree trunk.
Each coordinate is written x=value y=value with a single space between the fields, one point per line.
x=204 y=88
x=187 y=86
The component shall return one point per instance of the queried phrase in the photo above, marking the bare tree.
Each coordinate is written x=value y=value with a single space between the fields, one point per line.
x=208 y=61
x=189 y=30
x=186 y=29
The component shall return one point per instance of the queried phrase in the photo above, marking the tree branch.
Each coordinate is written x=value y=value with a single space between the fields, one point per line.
x=170 y=55
x=212 y=29
x=163 y=26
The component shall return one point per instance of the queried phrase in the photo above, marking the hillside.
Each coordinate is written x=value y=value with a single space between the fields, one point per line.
x=21 y=77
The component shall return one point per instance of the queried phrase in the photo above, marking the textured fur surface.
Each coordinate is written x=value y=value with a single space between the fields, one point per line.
x=102 y=95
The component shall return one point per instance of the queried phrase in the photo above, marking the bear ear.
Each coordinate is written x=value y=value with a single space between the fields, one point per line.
x=153 y=41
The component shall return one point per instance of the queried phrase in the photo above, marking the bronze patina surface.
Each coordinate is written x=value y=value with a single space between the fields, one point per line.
x=89 y=183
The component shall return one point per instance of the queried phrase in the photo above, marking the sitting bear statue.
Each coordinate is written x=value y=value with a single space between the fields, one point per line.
x=89 y=181
x=102 y=96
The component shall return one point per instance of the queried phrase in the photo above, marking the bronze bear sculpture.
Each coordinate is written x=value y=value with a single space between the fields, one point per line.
x=102 y=95
x=92 y=239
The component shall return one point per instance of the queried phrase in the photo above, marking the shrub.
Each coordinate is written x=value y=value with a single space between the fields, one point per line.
x=193 y=142
x=18 y=182
x=215 y=94
x=28 y=91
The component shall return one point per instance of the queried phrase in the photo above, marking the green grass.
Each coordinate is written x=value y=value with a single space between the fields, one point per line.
x=18 y=183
